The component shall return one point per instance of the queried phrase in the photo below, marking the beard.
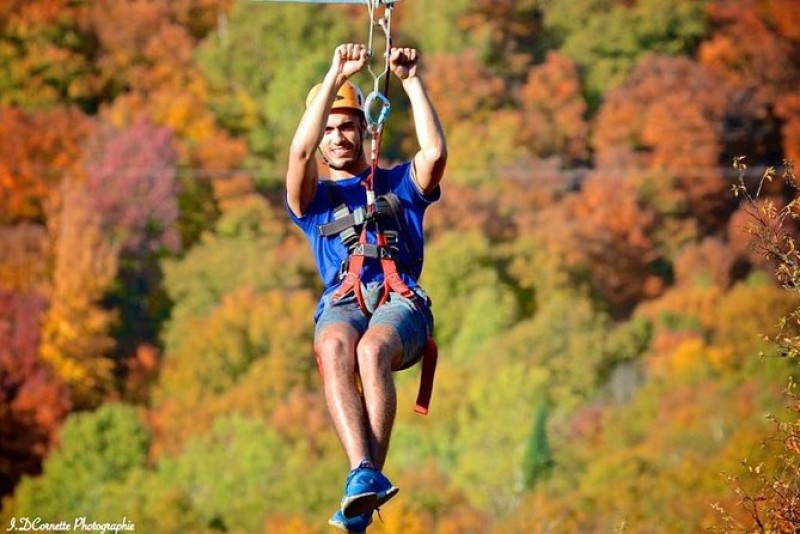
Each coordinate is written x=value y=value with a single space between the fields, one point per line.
x=345 y=164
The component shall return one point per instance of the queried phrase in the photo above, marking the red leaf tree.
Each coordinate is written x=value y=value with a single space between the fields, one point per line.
x=33 y=402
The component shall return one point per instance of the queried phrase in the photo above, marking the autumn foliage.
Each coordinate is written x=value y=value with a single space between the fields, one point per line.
x=614 y=318
x=34 y=401
x=36 y=150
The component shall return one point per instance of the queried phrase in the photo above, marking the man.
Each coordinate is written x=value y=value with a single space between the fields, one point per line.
x=360 y=338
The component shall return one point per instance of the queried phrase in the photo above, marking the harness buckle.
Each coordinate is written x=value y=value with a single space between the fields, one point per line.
x=359 y=216
x=343 y=268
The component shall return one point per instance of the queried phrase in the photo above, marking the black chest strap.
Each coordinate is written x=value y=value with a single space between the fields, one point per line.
x=387 y=209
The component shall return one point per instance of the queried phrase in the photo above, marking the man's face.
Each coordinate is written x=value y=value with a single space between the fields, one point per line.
x=342 y=142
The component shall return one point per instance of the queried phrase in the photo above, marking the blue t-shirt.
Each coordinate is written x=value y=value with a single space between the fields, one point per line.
x=330 y=252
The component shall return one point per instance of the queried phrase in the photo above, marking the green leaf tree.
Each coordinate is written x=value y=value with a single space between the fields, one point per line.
x=607 y=38
x=261 y=64
x=97 y=448
x=538 y=459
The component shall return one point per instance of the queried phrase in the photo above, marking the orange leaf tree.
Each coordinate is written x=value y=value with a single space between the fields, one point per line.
x=36 y=150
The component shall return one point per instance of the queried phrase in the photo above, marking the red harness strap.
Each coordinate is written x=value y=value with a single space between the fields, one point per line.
x=392 y=282
x=352 y=280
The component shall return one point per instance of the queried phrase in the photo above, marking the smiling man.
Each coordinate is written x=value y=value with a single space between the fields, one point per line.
x=373 y=318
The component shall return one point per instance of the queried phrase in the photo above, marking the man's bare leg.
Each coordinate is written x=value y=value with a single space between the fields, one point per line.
x=377 y=349
x=335 y=347
x=363 y=420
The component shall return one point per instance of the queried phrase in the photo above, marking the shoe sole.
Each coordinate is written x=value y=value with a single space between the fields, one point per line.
x=340 y=526
x=365 y=503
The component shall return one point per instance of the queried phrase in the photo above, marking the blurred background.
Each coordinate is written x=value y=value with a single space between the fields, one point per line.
x=604 y=316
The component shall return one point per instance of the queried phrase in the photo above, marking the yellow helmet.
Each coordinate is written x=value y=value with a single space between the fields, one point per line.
x=348 y=97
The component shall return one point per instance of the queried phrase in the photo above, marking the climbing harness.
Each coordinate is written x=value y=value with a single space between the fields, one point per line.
x=387 y=220
x=382 y=213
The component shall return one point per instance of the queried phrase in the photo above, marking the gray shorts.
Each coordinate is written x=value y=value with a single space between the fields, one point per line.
x=411 y=318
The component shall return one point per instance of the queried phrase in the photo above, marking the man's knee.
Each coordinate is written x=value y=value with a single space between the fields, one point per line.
x=377 y=349
x=334 y=350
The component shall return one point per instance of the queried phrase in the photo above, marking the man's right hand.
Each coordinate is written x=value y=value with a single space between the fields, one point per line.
x=348 y=59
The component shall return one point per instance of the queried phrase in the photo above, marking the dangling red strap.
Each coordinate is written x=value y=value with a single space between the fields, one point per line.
x=430 y=355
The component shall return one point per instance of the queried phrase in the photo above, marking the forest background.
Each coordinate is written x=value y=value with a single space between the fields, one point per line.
x=602 y=311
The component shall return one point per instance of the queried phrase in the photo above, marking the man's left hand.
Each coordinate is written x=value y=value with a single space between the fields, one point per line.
x=403 y=62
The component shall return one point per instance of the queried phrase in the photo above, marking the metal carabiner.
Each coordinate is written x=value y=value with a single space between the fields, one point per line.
x=383 y=111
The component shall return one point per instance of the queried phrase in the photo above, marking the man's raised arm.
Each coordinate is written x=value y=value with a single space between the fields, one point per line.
x=301 y=173
x=430 y=161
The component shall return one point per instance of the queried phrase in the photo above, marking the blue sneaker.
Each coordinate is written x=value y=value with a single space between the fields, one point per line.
x=352 y=525
x=366 y=490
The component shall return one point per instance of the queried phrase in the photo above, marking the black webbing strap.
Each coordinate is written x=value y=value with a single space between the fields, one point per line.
x=344 y=221
x=385 y=206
